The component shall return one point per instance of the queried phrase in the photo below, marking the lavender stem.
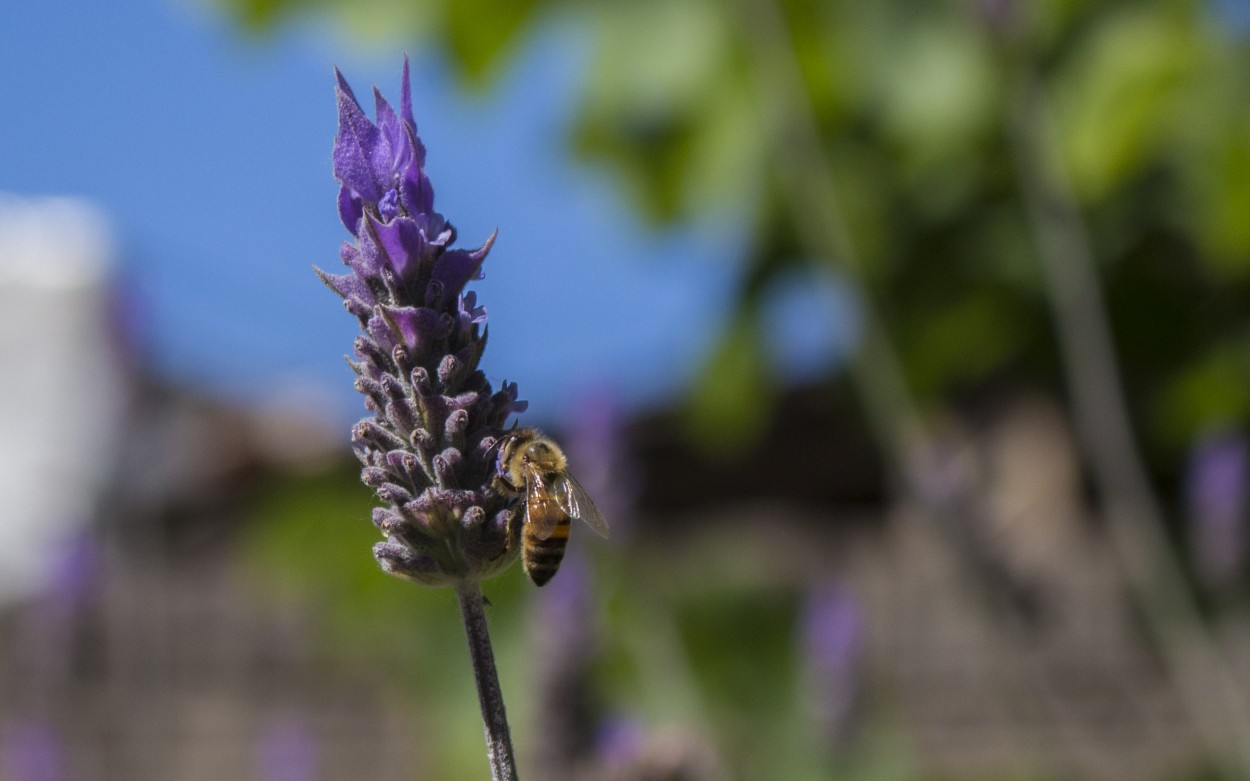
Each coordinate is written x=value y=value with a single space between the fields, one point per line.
x=489 y=695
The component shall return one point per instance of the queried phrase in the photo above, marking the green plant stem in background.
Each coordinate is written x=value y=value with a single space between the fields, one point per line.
x=489 y=695
x=1134 y=519
x=1135 y=522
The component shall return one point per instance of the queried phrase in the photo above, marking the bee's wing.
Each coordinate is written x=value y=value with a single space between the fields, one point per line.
x=578 y=504
x=543 y=508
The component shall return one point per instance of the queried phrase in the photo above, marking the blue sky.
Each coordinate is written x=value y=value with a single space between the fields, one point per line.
x=210 y=151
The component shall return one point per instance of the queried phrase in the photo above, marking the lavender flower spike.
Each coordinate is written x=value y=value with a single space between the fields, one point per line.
x=427 y=450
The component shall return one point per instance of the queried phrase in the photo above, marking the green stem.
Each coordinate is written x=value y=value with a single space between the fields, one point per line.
x=489 y=695
x=1204 y=678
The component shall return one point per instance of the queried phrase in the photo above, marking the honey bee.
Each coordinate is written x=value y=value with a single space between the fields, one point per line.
x=533 y=463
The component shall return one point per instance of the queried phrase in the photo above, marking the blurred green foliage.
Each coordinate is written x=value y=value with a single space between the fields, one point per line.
x=914 y=105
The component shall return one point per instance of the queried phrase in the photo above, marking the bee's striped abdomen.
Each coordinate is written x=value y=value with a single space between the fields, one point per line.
x=542 y=557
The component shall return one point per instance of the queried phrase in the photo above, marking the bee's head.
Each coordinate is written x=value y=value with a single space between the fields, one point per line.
x=543 y=454
x=513 y=455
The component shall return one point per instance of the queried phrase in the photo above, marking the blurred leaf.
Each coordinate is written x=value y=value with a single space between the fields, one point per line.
x=657 y=56
x=380 y=20
x=481 y=33
x=962 y=343
x=1120 y=92
x=740 y=648
x=997 y=250
x=811 y=28
x=478 y=35
x=727 y=156
x=1213 y=393
x=937 y=94
x=1223 y=213
x=659 y=66
x=868 y=192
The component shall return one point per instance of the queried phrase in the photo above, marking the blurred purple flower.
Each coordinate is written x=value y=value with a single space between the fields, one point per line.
x=1216 y=497
x=599 y=450
x=428 y=450
x=288 y=752
x=628 y=751
x=31 y=751
x=47 y=630
x=75 y=573
x=565 y=608
x=620 y=741
x=564 y=648
x=832 y=629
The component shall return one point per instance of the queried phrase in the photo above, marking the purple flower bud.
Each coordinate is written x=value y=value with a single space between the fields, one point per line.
x=424 y=449
x=1216 y=496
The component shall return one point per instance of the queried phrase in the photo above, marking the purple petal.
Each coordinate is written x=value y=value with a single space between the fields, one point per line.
x=380 y=330
x=405 y=113
x=506 y=398
x=400 y=240
x=356 y=145
x=455 y=268
x=373 y=257
x=388 y=207
x=470 y=313
x=405 y=104
x=351 y=209
x=344 y=87
x=415 y=187
x=349 y=255
x=394 y=132
x=352 y=258
x=434 y=229
x=348 y=286
x=419 y=325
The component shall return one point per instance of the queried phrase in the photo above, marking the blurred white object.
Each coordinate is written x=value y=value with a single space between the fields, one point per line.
x=61 y=380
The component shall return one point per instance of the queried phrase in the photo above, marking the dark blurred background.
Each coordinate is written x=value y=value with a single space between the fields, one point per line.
x=905 y=347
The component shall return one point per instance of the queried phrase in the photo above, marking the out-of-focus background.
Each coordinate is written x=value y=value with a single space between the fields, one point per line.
x=905 y=346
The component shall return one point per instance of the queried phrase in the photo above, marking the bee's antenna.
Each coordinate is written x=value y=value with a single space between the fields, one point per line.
x=495 y=445
x=499 y=441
